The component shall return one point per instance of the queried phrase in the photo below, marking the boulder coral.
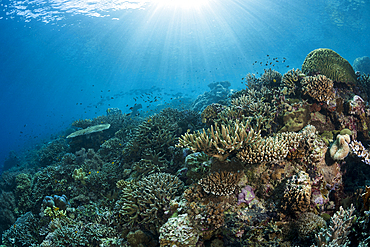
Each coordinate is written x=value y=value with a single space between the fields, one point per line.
x=329 y=63
x=340 y=149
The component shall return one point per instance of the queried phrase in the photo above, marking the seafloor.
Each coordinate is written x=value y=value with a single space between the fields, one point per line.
x=283 y=162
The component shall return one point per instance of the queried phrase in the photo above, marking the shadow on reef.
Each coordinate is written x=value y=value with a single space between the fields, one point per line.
x=281 y=163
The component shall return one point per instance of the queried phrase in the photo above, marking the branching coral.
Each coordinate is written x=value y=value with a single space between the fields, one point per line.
x=218 y=141
x=361 y=152
x=297 y=193
x=318 y=87
x=144 y=202
x=339 y=228
x=291 y=81
x=270 y=149
x=220 y=184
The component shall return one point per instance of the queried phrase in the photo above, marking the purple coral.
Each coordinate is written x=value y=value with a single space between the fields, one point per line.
x=246 y=195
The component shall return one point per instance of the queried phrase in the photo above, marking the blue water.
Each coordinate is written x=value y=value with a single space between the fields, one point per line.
x=65 y=60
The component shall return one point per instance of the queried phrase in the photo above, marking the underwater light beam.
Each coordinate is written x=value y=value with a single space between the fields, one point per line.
x=184 y=4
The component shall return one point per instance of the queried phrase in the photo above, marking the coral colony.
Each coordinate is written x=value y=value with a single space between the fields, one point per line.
x=284 y=162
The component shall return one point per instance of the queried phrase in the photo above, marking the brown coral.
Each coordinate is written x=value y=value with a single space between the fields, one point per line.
x=318 y=87
x=220 y=184
x=297 y=193
x=290 y=81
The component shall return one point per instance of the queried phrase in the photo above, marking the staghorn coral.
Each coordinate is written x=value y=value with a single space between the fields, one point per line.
x=219 y=142
x=144 y=202
x=270 y=149
x=340 y=149
x=318 y=87
x=297 y=193
x=329 y=63
x=220 y=183
x=339 y=228
x=177 y=231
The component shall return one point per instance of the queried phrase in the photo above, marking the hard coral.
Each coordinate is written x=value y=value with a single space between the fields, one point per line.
x=177 y=231
x=297 y=193
x=329 y=63
x=220 y=141
x=318 y=87
x=145 y=202
x=309 y=224
x=220 y=184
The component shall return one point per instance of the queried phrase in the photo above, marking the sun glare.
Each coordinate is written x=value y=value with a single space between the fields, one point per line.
x=185 y=4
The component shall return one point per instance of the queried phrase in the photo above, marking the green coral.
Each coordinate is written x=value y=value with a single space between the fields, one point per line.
x=329 y=63
x=296 y=120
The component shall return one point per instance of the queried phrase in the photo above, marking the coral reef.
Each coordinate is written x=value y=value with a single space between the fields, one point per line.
x=339 y=228
x=329 y=63
x=297 y=193
x=177 y=231
x=308 y=224
x=263 y=166
x=362 y=64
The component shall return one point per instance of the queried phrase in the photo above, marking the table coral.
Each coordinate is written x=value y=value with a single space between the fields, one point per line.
x=270 y=149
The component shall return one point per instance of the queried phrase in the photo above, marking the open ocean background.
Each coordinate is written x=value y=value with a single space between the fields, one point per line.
x=66 y=60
